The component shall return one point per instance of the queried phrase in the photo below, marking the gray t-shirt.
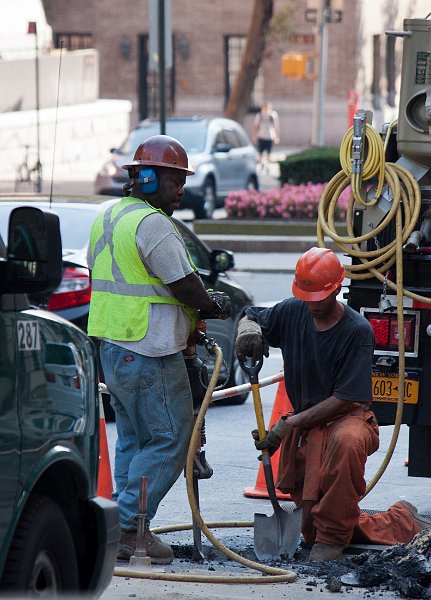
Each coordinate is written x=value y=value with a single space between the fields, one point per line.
x=164 y=255
x=319 y=364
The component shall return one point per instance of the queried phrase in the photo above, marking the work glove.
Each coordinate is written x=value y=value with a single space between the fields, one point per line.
x=250 y=341
x=273 y=437
x=221 y=306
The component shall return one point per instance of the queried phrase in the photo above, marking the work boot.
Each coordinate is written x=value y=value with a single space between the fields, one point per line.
x=321 y=552
x=421 y=522
x=159 y=553
x=127 y=544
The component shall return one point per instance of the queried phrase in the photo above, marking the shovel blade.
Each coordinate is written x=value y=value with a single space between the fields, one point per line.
x=277 y=535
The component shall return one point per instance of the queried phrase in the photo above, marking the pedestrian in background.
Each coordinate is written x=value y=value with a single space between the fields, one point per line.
x=327 y=350
x=146 y=294
x=266 y=132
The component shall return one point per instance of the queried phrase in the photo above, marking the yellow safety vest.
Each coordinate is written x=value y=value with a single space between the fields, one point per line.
x=122 y=289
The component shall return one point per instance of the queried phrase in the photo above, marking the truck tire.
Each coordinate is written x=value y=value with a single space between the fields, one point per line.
x=42 y=558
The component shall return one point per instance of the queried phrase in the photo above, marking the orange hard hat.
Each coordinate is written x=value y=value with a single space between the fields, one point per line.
x=161 y=151
x=318 y=273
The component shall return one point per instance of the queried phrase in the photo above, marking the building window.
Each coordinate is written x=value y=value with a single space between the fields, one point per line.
x=233 y=49
x=74 y=41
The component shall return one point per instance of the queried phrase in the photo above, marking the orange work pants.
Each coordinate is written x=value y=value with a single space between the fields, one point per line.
x=324 y=473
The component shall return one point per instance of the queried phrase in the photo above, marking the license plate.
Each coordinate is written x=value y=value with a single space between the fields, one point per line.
x=385 y=388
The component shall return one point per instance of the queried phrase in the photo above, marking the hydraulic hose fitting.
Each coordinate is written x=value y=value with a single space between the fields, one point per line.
x=359 y=127
x=423 y=235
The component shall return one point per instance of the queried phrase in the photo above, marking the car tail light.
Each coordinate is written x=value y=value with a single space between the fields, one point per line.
x=385 y=329
x=74 y=289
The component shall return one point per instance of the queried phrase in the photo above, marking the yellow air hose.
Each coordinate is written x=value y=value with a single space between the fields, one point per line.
x=272 y=574
x=405 y=208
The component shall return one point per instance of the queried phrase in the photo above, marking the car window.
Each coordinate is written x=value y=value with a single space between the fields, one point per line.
x=75 y=223
x=242 y=140
x=220 y=138
x=231 y=138
x=191 y=134
x=199 y=254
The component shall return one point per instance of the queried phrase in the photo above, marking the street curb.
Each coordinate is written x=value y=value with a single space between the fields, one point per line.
x=280 y=270
x=262 y=243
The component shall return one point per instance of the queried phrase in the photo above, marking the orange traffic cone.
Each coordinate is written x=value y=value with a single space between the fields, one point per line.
x=281 y=406
x=104 y=483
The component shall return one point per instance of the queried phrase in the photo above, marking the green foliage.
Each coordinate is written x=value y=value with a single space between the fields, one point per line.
x=315 y=165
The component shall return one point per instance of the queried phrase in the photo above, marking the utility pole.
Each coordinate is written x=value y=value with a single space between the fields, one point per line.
x=162 y=66
x=32 y=28
x=321 y=13
x=321 y=79
x=160 y=49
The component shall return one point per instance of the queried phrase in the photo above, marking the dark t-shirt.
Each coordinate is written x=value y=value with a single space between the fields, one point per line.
x=319 y=364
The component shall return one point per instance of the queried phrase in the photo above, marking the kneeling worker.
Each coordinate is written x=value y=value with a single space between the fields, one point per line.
x=146 y=294
x=327 y=350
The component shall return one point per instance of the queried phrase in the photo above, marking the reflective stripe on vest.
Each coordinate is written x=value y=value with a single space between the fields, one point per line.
x=122 y=289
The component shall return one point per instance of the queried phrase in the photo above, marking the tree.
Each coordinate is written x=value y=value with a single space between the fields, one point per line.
x=239 y=99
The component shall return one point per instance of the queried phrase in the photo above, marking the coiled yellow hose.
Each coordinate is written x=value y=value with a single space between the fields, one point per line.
x=405 y=198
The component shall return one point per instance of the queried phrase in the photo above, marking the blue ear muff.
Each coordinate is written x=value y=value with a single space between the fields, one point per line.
x=148 y=181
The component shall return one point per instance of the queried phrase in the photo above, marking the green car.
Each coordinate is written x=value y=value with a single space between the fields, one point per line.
x=56 y=534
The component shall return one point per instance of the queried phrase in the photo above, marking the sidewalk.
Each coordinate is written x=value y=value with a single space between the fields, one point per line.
x=257 y=262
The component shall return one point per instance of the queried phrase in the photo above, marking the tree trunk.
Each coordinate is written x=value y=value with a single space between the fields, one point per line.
x=239 y=99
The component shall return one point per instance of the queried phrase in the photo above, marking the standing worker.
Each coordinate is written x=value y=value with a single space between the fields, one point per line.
x=327 y=350
x=146 y=295
x=266 y=132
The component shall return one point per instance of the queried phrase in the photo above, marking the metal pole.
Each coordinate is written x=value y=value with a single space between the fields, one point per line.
x=318 y=133
x=162 y=66
x=38 y=164
x=323 y=71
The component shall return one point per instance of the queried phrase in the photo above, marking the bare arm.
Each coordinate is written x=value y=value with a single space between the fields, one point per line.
x=324 y=412
x=192 y=292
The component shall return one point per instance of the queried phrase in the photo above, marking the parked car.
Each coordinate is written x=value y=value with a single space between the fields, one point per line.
x=56 y=535
x=219 y=150
x=71 y=299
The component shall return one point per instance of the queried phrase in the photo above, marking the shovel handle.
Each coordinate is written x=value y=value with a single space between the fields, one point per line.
x=251 y=370
x=259 y=413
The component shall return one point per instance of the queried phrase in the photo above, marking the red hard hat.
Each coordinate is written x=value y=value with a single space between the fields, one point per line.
x=318 y=273
x=161 y=151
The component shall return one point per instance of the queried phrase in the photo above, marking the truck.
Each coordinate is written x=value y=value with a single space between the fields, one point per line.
x=408 y=274
x=56 y=534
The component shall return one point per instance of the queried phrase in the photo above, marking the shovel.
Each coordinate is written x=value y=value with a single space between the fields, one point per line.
x=279 y=534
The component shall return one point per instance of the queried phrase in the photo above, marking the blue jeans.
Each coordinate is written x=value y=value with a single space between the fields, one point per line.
x=153 y=408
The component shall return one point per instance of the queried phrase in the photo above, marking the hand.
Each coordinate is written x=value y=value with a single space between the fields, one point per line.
x=221 y=307
x=271 y=442
x=251 y=344
x=274 y=436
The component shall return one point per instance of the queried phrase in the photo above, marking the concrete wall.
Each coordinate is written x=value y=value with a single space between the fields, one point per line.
x=79 y=80
x=84 y=135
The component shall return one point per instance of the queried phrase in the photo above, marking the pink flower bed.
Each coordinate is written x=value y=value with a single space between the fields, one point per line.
x=298 y=202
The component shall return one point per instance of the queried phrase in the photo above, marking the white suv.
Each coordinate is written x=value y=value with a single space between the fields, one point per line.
x=219 y=151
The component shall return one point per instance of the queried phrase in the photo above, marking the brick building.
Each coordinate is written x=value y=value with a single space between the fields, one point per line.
x=208 y=38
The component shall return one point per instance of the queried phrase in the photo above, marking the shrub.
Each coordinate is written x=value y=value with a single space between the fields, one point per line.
x=294 y=202
x=316 y=165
